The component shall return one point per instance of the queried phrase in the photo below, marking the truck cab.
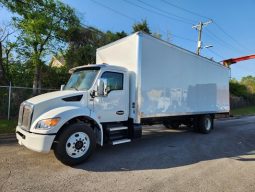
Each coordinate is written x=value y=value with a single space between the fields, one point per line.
x=107 y=90
x=93 y=107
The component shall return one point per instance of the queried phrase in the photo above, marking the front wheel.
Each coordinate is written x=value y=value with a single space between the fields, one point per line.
x=75 y=144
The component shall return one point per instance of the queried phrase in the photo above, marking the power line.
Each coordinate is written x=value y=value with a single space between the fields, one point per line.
x=211 y=34
x=113 y=10
x=185 y=20
x=186 y=10
x=101 y=33
x=217 y=25
x=155 y=12
x=177 y=36
x=227 y=34
x=216 y=53
x=184 y=38
x=92 y=29
x=196 y=14
x=150 y=10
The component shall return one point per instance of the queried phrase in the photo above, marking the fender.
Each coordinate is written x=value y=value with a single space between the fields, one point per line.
x=66 y=113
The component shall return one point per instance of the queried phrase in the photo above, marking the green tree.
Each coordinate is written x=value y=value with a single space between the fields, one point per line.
x=4 y=34
x=49 y=75
x=249 y=82
x=44 y=26
x=82 y=46
x=84 y=42
x=7 y=47
x=238 y=89
x=141 y=26
x=109 y=37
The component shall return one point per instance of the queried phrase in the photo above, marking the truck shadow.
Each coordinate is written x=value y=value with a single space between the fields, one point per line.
x=162 y=148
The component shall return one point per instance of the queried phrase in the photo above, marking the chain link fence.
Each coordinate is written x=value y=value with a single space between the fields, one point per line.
x=11 y=97
x=240 y=102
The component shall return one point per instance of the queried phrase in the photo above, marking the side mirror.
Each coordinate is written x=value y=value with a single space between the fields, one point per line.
x=102 y=87
x=62 y=87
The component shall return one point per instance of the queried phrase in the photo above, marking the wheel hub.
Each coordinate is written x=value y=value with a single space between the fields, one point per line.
x=208 y=124
x=77 y=144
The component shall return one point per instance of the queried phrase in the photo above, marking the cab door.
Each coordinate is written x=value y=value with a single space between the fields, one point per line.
x=113 y=106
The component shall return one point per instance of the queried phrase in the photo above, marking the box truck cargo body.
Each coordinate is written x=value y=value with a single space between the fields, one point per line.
x=166 y=80
x=136 y=80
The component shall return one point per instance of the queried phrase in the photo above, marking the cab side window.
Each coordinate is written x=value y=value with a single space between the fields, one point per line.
x=114 y=80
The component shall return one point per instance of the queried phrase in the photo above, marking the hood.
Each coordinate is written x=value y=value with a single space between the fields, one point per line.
x=56 y=95
x=48 y=101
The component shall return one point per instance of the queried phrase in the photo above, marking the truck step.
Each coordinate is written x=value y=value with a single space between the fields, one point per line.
x=117 y=128
x=116 y=142
x=117 y=137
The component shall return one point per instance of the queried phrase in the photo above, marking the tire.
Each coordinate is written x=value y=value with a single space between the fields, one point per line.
x=205 y=124
x=75 y=144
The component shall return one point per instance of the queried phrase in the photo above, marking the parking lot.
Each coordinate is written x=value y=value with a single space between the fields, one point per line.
x=163 y=160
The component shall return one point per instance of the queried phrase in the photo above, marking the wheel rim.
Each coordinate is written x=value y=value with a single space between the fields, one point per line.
x=208 y=124
x=77 y=144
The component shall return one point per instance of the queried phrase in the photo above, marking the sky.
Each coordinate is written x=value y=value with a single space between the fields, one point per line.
x=231 y=34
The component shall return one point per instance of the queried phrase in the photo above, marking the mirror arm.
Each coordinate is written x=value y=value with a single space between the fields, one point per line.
x=62 y=87
x=93 y=94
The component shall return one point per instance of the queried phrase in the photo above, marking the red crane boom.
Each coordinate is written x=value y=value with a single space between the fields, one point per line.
x=228 y=62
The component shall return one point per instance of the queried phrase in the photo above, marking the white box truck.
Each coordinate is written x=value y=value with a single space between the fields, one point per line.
x=137 y=80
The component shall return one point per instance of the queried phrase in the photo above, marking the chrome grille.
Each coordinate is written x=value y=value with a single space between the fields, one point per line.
x=25 y=116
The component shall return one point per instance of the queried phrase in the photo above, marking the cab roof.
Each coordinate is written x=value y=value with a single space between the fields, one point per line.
x=103 y=65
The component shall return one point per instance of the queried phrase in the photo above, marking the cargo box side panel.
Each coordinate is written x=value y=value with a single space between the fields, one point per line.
x=120 y=53
x=177 y=82
x=123 y=53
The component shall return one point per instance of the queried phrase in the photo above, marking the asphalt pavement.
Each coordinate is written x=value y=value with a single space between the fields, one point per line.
x=163 y=160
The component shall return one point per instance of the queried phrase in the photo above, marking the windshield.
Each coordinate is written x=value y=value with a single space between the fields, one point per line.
x=82 y=80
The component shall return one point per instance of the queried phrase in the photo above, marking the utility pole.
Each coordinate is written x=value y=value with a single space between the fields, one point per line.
x=199 y=27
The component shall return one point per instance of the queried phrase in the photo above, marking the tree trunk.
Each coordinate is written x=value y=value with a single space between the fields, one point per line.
x=39 y=80
x=35 y=81
x=3 y=80
x=6 y=70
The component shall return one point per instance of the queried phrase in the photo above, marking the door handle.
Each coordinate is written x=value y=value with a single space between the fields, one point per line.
x=120 y=112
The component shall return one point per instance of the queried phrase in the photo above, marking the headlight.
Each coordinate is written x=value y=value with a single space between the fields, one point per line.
x=47 y=123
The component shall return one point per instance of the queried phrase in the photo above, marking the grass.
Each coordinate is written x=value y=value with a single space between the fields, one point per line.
x=7 y=126
x=243 y=111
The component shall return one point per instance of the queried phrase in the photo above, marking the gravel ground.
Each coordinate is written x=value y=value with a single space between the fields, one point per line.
x=163 y=160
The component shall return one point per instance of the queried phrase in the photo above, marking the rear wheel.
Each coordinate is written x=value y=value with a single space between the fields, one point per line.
x=75 y=144
x=205 y=124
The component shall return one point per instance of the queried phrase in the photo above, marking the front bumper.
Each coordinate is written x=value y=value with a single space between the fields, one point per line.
x=33 y=141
